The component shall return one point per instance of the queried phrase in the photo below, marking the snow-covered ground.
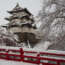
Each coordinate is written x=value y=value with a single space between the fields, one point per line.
x=4 y=62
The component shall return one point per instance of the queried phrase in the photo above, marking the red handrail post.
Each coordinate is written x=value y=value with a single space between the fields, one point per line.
x=58 y=63
x=38 y=55
x=22 y=54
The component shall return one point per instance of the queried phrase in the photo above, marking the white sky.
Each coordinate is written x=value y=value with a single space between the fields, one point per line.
x=33 y=6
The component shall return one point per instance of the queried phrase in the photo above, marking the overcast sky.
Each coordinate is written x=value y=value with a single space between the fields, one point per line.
x=33 y=6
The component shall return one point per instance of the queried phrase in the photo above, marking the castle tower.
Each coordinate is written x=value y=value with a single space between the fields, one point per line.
x=21 y=23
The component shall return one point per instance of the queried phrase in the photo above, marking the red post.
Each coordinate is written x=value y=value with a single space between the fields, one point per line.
x=58 y=63
x=38 y=55
x=22 y=54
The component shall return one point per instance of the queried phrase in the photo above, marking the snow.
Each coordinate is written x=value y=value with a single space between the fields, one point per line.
x=5 y=62
x=51 y=9
x=9 y=47
x=58 y=58
x=32 y=49
x=43 y=45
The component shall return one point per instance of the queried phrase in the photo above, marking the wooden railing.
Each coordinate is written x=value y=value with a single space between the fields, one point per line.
x=31 y=56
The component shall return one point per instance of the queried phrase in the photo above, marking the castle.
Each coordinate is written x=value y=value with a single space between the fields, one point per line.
x=21 y=24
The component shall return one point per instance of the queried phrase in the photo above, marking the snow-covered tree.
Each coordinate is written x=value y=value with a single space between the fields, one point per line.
x=52 y=19
x=6 y=38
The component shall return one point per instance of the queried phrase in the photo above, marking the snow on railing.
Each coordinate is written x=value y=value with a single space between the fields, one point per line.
x=39 y=57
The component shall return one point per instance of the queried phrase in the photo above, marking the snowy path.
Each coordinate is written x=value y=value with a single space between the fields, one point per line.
x=4 y=62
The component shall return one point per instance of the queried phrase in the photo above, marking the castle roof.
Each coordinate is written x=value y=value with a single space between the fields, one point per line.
x=22 y=17
x=17 y=9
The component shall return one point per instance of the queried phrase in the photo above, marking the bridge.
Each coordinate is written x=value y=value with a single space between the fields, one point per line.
x=26 y=56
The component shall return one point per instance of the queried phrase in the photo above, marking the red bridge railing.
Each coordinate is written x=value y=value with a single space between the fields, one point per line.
x=39 y=58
